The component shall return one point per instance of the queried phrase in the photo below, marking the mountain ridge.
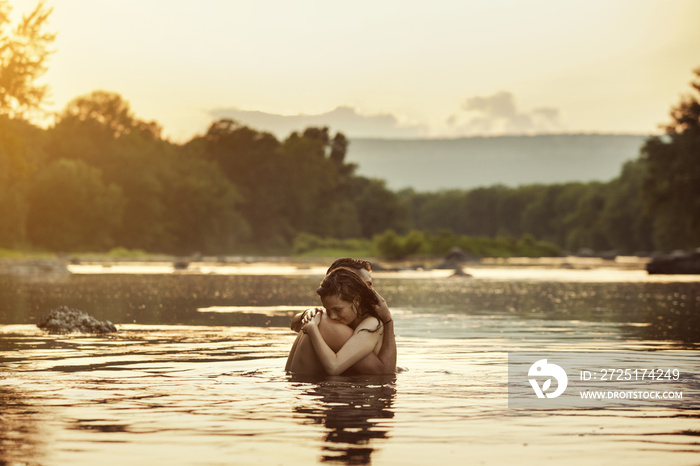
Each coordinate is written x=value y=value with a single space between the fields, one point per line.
x=512 y=160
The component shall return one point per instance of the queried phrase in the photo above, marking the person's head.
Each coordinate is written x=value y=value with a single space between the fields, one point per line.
x=361 y=267
x=346 y=297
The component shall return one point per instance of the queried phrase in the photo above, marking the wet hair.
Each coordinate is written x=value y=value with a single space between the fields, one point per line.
x=350 y=263
x=347 y=284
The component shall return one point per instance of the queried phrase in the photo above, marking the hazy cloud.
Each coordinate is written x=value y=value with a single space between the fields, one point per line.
x=500 y=105
x=498 y=114
x=343 y=119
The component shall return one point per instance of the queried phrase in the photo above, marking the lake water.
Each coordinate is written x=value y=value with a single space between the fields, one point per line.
x=195 y=374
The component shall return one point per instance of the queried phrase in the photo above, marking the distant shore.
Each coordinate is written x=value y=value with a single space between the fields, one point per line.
x=61 y=266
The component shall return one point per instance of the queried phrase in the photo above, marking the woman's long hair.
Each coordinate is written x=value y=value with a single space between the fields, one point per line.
x=347 y=284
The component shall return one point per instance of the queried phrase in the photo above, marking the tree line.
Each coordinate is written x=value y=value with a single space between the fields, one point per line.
x=99 y=177
x=574 y=216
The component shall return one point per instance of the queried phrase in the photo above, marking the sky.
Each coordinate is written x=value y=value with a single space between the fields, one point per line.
x=380 y=68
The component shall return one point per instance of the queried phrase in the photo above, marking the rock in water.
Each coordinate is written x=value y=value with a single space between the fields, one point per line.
x=66 y=320
x=688 y=264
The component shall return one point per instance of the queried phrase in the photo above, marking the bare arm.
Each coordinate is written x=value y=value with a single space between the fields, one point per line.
x=296 y=322
x=385 y=361
x=336 y=334
x=292 y=353
x=387 y=353
x=359 y=345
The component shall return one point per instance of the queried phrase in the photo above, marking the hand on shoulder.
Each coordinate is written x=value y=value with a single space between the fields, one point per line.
x=311 y=319
x=382 y=308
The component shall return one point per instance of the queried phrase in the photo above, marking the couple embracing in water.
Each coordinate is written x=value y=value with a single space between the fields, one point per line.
x=352 y=334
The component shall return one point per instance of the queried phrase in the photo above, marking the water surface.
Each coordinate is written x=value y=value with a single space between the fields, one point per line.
x=195 y=374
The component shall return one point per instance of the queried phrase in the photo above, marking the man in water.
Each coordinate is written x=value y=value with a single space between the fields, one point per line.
x=335 y=334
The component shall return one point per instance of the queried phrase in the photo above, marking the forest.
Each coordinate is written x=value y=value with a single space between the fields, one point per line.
x=99 y=178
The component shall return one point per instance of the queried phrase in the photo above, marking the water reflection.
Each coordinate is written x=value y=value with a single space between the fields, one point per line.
x=354 y=414
x=157 y=299
x=653 y=310
x=21 y=435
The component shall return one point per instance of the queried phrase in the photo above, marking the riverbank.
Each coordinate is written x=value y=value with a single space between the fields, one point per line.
x=62 y=267
x=34 y=267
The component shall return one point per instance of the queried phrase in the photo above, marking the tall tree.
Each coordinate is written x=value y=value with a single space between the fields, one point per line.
x=23 y=53
x=72 y=208
x=24 y=49
x=250 y=160
x=582 y=225
x=377 y=208
x=625 y=223
x=110 y=112
x=20 y=156
x=672 y=185
x=101 y=130
x=202 y=209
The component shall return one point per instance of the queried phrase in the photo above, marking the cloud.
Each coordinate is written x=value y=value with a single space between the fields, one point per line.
x=499 y=105
x=498 y=114
x=343 y=119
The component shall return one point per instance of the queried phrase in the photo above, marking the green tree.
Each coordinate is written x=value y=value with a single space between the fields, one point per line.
x=110 y=112
x=71 y=208
x=626 y=224
x=251 y=161
x=20 y=156
x=672 y=185
x=511 y=207
x=310 y=181
x=582 y=225
x=23 y=54
x=540 y=215
x=101 y=130
x=244 y=155
x=394 y=247
x=481 y=209
x=443 y=210
x=299 y=185
x=376 y=207
x=202 y=209
x=339 y=148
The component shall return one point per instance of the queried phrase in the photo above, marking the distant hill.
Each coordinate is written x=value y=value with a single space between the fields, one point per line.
x=466 y=163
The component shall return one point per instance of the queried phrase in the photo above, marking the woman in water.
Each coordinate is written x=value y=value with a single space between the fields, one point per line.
x=345 y=333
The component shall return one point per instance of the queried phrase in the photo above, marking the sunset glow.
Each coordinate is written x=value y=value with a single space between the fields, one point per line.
x=444 y=68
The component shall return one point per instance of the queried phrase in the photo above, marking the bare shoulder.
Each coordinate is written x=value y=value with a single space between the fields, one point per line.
x=370 y=323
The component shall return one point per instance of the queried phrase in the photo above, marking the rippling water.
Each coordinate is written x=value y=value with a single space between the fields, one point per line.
x=195 y=374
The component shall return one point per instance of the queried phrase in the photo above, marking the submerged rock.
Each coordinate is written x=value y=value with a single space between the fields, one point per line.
x=455 y=257
x=66 y=320
x=181 y=264
x=459 y=272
